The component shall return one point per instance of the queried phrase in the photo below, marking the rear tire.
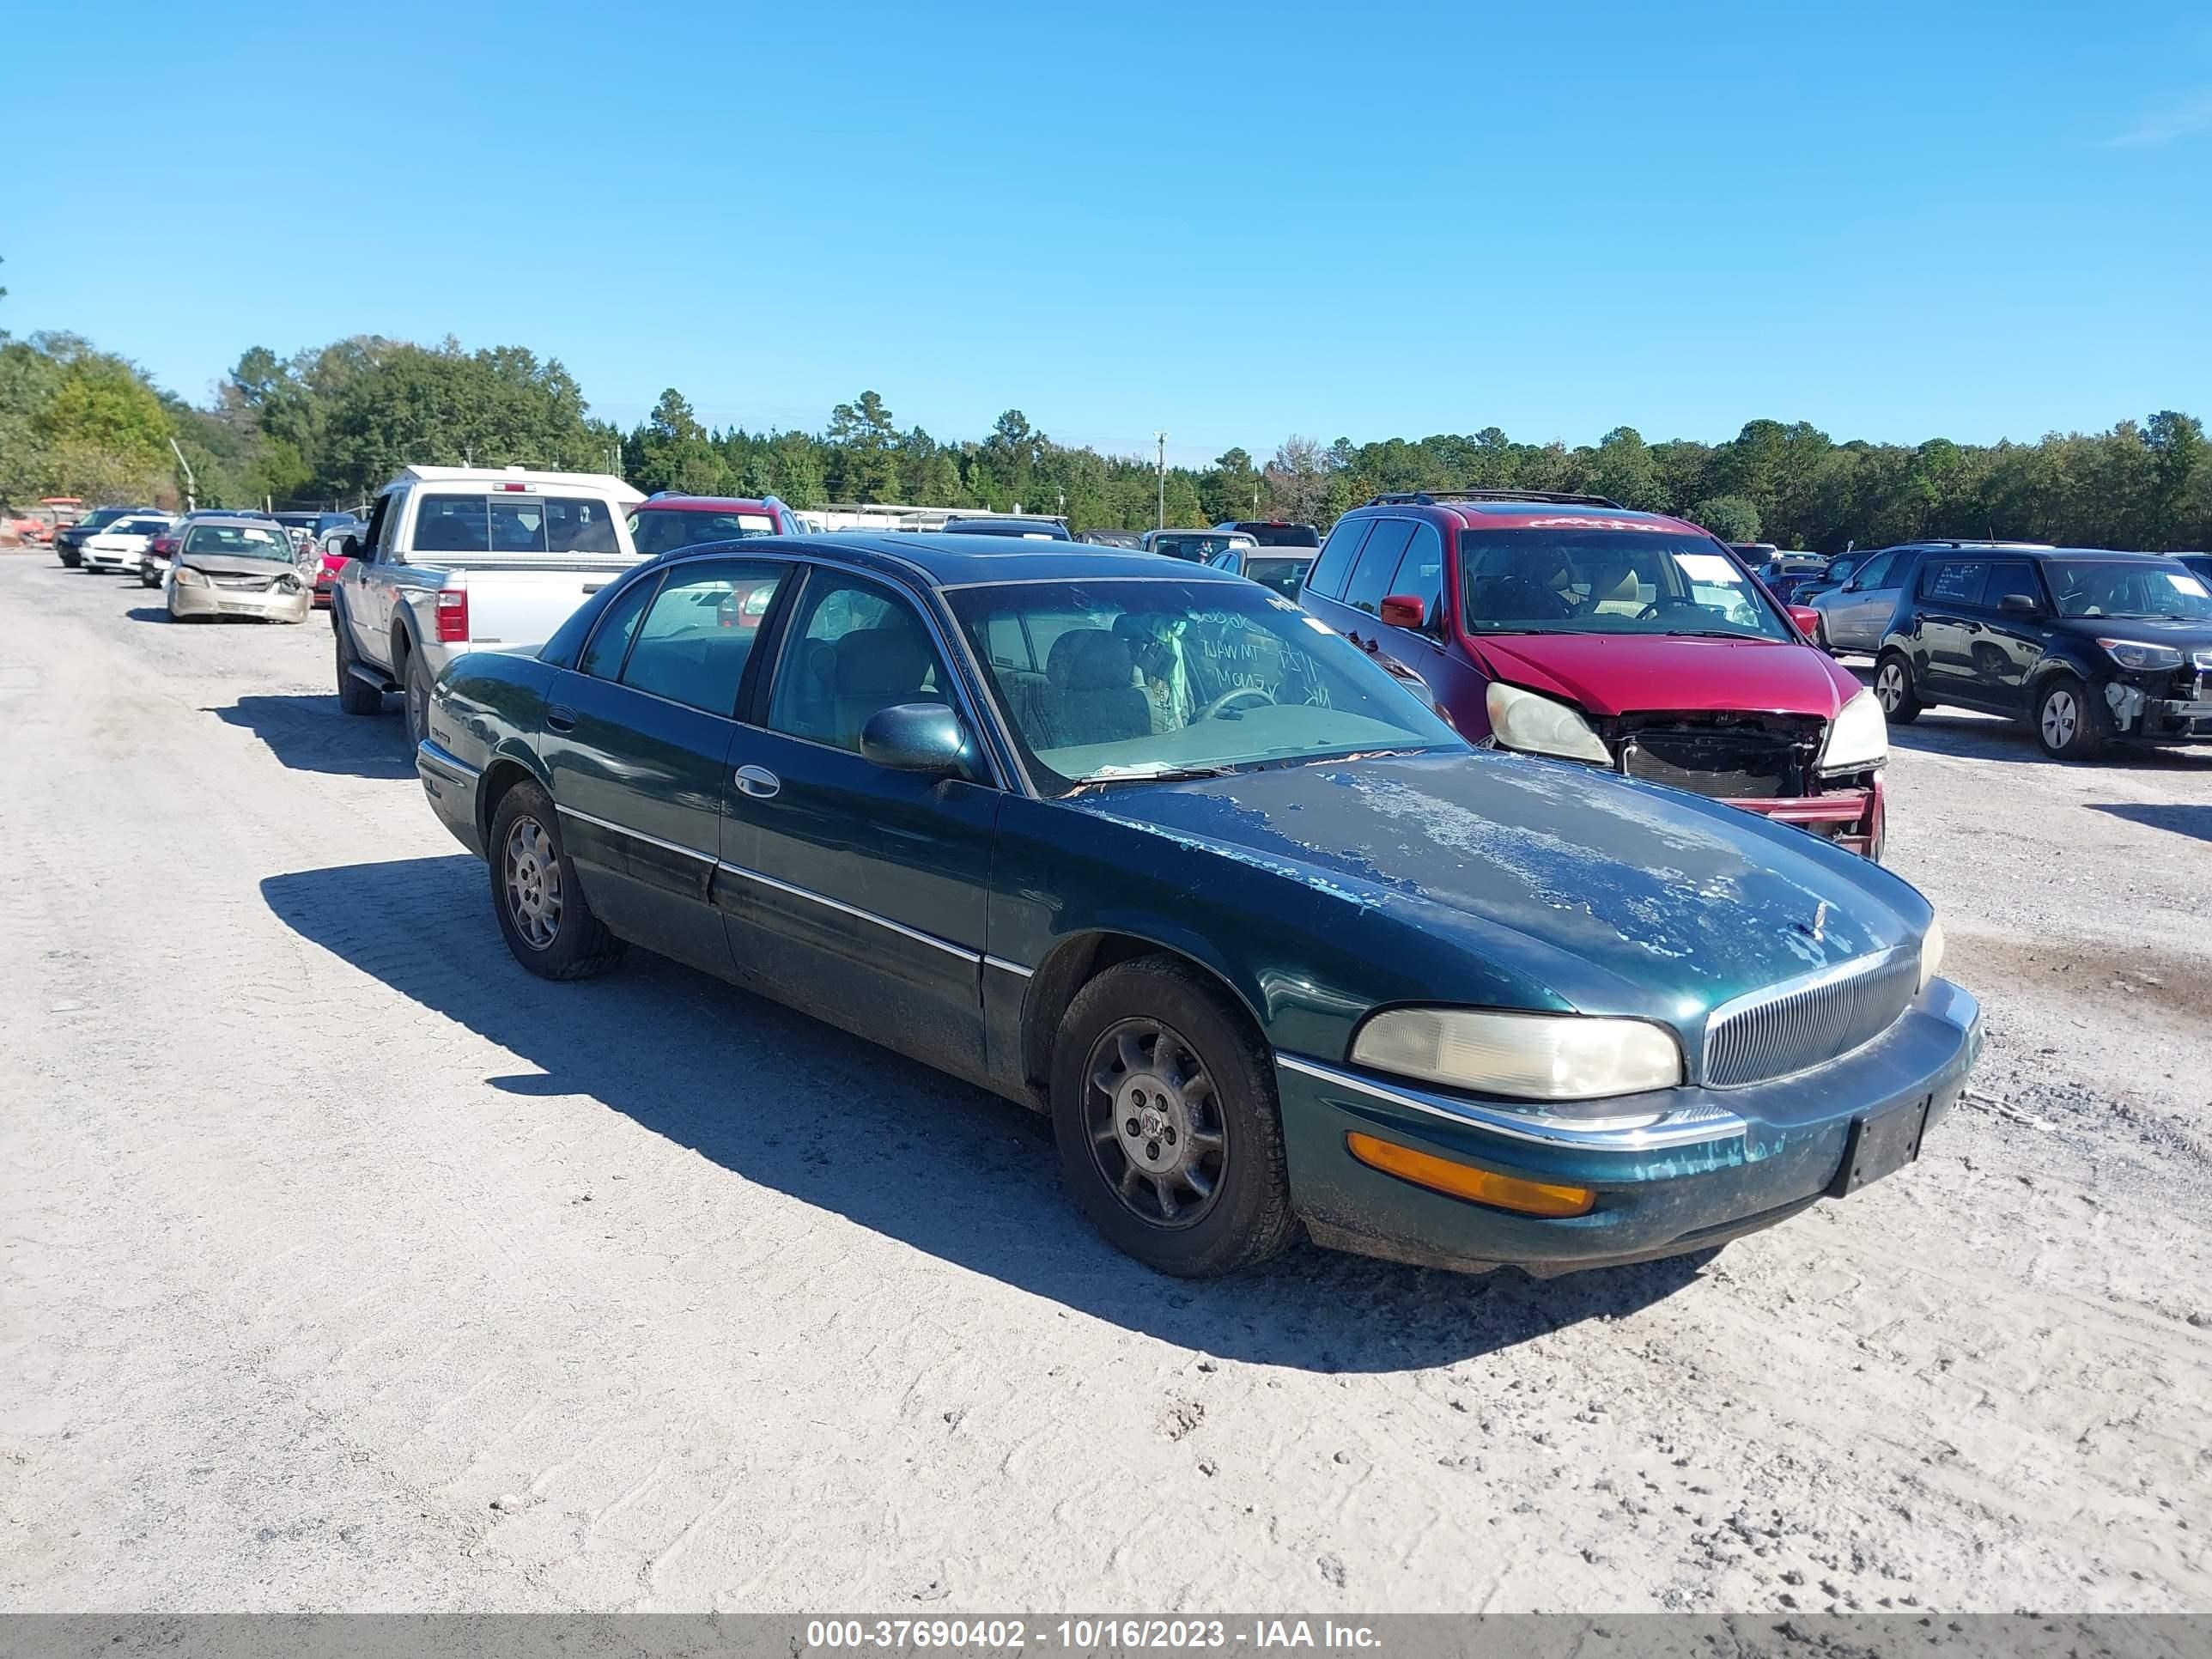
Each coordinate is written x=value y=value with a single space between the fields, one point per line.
x=355 y=695
x=147 y=579
x=1893 y=689
x=547 y=921
x=1164 y=1106
x=2065 y=722
x=69 y=558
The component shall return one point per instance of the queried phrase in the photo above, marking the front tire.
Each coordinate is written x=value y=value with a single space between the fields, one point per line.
x=1164 y=1106
x=1893 y=689
x=2065 y=723
x=68 y=557
x=547 y=922
x=415 y=680
x=148 y=578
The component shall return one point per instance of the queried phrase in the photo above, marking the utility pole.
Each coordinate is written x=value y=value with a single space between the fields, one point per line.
x=191 y=485
x=1163 y=438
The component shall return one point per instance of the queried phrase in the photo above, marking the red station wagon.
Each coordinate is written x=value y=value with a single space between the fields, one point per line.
x=1573 y=627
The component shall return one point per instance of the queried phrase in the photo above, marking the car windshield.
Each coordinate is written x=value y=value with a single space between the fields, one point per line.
x=1198 y=545
x=666 y=529
x=100 y=518
x=1282 y=535
x=2143 y=588
x=1127 y=679
x=1283 y=575
x=1579 y=578
x=245 y=541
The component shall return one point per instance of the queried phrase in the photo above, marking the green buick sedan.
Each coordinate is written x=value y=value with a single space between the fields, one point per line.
x=1142 y=846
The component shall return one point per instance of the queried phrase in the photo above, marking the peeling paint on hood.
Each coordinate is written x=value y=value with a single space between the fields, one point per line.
x=1693 y=900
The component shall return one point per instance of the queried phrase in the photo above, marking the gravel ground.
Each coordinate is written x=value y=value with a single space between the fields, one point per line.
x=347 y=1266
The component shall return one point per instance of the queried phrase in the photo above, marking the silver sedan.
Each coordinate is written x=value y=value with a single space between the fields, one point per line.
x=237 y=568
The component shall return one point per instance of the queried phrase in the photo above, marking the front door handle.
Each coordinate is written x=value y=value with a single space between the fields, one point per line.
x=758 y=781
x=561 y=718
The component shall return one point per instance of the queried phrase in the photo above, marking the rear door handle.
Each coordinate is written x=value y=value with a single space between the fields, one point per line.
x=561 y=718
x=758 y=781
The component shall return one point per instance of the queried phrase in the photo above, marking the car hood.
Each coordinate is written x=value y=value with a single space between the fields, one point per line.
x=1617 y=894
x=2191 y=636
x=1612 y=674
x=237 y=564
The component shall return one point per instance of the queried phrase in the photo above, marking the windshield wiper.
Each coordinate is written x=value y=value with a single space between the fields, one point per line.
x=1150 y=772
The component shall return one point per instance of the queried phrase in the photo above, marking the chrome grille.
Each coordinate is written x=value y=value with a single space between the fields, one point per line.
x=1808 y=1022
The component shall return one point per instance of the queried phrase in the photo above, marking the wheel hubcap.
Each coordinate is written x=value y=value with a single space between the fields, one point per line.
x=531 y=874
x=2060 y=718
x=1889 y=687
x=1156 y=1134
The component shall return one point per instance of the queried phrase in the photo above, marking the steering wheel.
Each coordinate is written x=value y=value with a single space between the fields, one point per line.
x=1667 y=602
x=1523 y=599
x=1230 y=696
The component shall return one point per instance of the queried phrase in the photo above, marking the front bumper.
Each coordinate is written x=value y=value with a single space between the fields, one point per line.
x=102 y=558
x=1856 y=820
x=274 y=604
x=1725 y=1162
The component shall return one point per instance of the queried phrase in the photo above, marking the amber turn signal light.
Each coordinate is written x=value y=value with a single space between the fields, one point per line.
x=1444 y=1175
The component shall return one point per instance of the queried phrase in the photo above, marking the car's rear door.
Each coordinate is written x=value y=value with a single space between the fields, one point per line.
x=1862 y=609
x=1947 y=616
x=637 y=742
x=2009 y=644
x=867 y=886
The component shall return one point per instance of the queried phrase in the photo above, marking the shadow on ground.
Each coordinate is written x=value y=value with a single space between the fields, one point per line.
x=2195 y=822
x=790 y=1103
x=312 y=733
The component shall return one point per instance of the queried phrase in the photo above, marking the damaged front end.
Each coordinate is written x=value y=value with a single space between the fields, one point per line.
x=2164 y=705
x=1766 y=763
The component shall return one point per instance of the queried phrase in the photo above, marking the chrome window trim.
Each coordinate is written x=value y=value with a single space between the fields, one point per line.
x=1536 y=1128
x=637 y=835
x=1187 y=569
x=853 y=910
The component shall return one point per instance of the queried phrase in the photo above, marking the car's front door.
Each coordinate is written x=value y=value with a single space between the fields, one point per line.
x=867 y=886
x=637 y=742
x=367 y=592
x=2009 y=643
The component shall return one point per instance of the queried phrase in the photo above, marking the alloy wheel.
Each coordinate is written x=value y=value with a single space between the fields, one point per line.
x=2062 y=718
x=1154 y=1122
x=532 y=878
x=1889 y=687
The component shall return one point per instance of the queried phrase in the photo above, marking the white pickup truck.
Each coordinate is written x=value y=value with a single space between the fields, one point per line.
x=459 y=559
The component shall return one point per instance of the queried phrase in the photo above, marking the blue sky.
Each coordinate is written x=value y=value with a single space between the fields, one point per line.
x=1233 y=221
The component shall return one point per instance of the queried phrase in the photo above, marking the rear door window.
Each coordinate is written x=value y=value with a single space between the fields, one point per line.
x=453 y=523
x=698 y=634
x=1954 y=582
x=1378 y=564
x=1327 y=575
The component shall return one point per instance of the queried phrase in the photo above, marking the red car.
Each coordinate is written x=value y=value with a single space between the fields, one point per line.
x=667 y=522
x=1572 y=626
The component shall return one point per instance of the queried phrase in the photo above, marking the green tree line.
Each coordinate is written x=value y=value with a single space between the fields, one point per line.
x=329 y=424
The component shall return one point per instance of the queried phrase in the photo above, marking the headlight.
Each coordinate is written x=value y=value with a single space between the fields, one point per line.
x=2134 y=653
x=188 y=577
x=1931 y=952
x=1858 y=737
x=1526 y=1056
x=1542 y=725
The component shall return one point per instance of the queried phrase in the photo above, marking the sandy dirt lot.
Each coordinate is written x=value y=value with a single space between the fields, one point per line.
x=346 y=1266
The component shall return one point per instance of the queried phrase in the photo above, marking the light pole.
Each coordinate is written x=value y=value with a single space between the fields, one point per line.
x=191 y=485
x=1163 y=438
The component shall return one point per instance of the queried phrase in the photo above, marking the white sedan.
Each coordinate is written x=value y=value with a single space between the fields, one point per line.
x=123 y=544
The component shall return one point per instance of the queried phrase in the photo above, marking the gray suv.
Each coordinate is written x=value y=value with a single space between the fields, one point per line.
x=1855 y=613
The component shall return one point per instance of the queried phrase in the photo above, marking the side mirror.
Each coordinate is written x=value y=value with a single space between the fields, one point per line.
x=2019 y=605
x=348 y=546
x=918 y=737
x=1403 y=610
x=1807 y=620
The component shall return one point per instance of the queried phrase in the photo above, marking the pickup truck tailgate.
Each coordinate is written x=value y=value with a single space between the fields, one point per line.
x=522 y=602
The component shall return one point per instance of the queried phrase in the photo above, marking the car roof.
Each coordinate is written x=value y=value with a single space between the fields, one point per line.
x=704 y=503
x=233 y=522
x=1515 y=514
x=937 y=559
